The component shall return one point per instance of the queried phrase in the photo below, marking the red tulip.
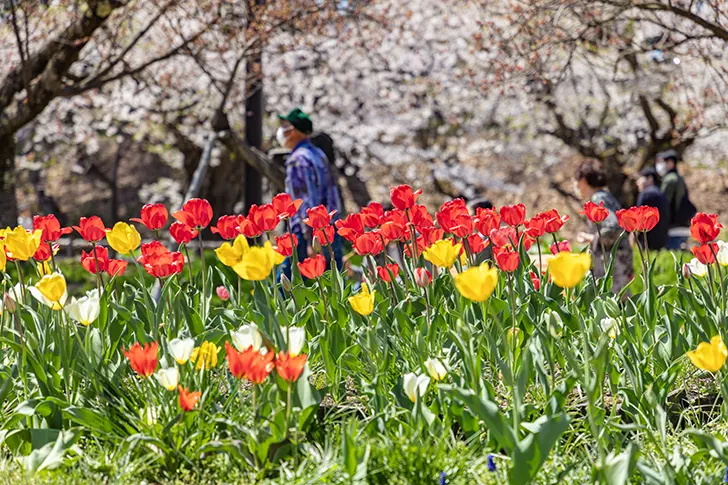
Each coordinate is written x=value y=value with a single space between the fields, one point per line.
x=187 y=400
x=368 y=244
x=705 y=227
x=536 y=281
x=116 y=267
x=195 y=213
x=265 y=217
x=384 y=272
x=454 y=218
x=313 y=267
x=91 y=229
x=285 y=206
x=503 y=236
x=325 y=235
x=595 y=213
x=506 y=259
x=393 y=231
x=98 y=253
x=143 y=360
x=285 y=244
x=704 y=253
x=318 y=217
x=159 y=262
x=431 y=235
x=227 y=227
x=372 y=214
x=351 y=227
x=486 y=220
x=513 y=215
x=403 y=197
x=422 y=277
x=52 y=230
x=477 y=243
x=395 y=215
x=153 y=216
x=421 y=218
x=553 y=221
x=290 y=368
x=527 y=241
x=638 y=219
x=182 y=233
x=43 y=253
x=248 y=228
x=249 y=364
x=536 y=226
x=563 y=246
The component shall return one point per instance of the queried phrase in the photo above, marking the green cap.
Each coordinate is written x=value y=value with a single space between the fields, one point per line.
x=300 y=120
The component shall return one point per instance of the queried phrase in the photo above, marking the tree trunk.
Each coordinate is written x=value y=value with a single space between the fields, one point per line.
x=8 y=203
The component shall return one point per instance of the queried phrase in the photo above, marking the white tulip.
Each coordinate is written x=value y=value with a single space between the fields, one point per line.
x=168 y=378
x=415 y=385
x=16 y=293
x=298 y=339
x=611 y=326
x=247 y=336
x=722 y=255
x=181 y=349
x=697 y=268
x=41 y=298
x=436 y=369
x=85 y=310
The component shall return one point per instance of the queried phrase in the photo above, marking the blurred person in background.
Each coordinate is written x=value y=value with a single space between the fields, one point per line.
x=678 y=200
x=590 y=184
x=648 y=184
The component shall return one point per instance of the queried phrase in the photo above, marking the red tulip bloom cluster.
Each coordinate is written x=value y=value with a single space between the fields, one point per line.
x=387 y=272
x=372 y=214
x=227 y=227
x=313 y=267
x=351 y=227
x=455 y=219
x=113 y=267
x=487 y=220
x=595 y=213
x=286 y=243
x=705 y=228
x=369 y=244
x=264 y=217
x=513 y=215
x=249 y=364
x=153 y=216
x=285 y=207
x=143 y=360
x=476 y=243
x=52 y=230
x=181 y=233
x=638 y=219
x=195 y=213
x=91 y=229
x=159 y=261
x=290 y=368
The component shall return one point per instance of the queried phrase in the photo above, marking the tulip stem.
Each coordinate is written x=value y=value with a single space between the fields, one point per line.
x=514 y=340
x=720 y=279
x=288 y=407
x=22 y=281
x=204 y=275
x=601 y=245
x=97 y=268
x=189 y=262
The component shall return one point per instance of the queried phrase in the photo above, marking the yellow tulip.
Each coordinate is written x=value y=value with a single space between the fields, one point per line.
x=44 y=268
x=123 y=238
x=205 y=356
x=709 y=356
x=3 y=258
x=443 y=253
x=230 y=255
x=477 y=283
x=363 y=302
x=278 y=258
x=22 y=244
x=568 y=269
x=51 y=290
x=256 y=264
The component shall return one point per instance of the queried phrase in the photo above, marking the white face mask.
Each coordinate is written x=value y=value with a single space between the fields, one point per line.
x=281 y=136
x=661 y=168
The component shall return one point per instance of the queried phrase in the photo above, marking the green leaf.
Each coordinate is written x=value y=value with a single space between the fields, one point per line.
x=618 y=468
x=531 y=452
x=485 y=409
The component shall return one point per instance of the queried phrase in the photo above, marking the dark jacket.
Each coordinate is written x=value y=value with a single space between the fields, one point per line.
x=651 y=196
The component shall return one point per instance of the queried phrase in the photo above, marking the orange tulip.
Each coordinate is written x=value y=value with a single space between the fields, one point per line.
x=52 y=230
x=595 y=213
x=159 y=261
x=143 y=360
x=286 y=243
x=187 y=400
x=285 y=206
x=290 y=368
x=313 y=267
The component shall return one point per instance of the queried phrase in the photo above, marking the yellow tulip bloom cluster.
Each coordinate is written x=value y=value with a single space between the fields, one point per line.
x=568 y=269
x=205 y=356
x=363 y=302
x=22 y=244
x=123 y=238
x=477 y=283
x=443 y=253
x=709 y=356
x=250 y=263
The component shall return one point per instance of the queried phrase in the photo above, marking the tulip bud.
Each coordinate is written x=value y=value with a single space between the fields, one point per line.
x=286 y=283
x=686 y=272
x=422 y=277
x=9 y=303
x=518 y=335
x=222 y=293
x=316 y=245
